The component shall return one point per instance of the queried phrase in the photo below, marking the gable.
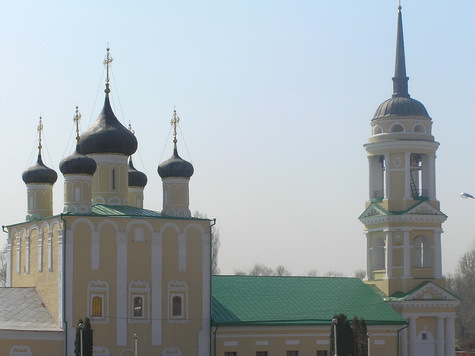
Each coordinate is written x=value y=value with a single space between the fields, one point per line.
x=429 y=291
x=424 y=208
x=374 y=210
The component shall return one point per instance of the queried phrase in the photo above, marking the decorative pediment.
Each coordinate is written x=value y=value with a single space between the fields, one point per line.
x=424 y=208
x=430 y=291
x=372 y=211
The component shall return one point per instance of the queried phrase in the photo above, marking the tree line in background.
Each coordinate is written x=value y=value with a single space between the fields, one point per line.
x=259 y=269
x=462 y=283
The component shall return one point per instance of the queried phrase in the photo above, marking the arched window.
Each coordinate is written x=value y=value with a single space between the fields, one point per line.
x=177 y=306
x=377 y=253
x=422 y=252
x=138 y=307
x=96 y=307
x=98 y=301
x=396 y=128
x=377 y=130
x=419 y=128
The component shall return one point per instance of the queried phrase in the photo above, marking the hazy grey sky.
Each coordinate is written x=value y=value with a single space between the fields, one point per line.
x=275 y=100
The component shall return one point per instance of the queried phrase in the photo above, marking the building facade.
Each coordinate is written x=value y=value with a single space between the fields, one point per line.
x=133 y=272
x=144 y=277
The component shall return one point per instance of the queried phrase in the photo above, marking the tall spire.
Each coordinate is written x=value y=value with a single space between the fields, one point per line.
x=400 y=87
x=107 y=62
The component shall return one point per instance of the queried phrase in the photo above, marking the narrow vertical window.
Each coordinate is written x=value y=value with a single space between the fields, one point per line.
x=138 y=307
x=77 y=194
x=96 y=307
x=177 y=306
x=113 y=179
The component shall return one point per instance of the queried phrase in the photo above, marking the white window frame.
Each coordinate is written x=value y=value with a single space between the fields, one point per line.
x=178 y=289
x=140 y=289
x=98 y=288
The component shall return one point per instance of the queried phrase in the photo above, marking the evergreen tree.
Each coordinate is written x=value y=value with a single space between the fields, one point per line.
x=87 y=338
x=360 y=335
x=77 y=341
x=355 y=326
x=344 y=337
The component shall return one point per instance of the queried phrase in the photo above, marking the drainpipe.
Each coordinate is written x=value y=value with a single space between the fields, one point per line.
x=398 y=341
x=65 y=323
x=214 y=340
x=211 y=283
x=8 y=276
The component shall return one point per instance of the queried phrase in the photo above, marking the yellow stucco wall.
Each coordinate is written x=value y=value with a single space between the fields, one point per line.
x=45 y=281
x=304 y=339
x=37 y=347
x=138 y=240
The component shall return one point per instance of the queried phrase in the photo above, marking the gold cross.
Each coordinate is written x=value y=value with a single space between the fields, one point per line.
x=40 y=129
x=131 y=129
x=76 y=119
x=174 y=121
x=107 y=63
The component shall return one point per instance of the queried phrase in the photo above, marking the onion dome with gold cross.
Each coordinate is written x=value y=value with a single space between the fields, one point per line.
x=175 y=166
x=107 y=134
x=77 y=163
x=136 y=178
x=39 y=173
x=400 y=104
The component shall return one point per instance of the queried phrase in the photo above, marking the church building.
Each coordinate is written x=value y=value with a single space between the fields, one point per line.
x=143 y=277
x=403 y=220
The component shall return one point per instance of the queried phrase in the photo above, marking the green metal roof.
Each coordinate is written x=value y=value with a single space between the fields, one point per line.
x=118 y=211
x=123 y=210
x=249 y=300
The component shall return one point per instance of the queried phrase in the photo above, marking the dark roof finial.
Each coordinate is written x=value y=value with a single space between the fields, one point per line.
x=400 y=80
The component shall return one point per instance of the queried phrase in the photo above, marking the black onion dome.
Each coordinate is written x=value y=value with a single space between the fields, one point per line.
x=175 y=166
x=400 y=106
x=39 y=173
x=136 y=178
x=108 y=135
x=77 y=163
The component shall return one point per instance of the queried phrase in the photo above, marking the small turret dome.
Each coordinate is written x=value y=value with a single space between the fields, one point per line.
x=175 y=166
x=136 y=178
x=108 y=135
x=400 y=106
x=77 y=163
x=39 y=173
